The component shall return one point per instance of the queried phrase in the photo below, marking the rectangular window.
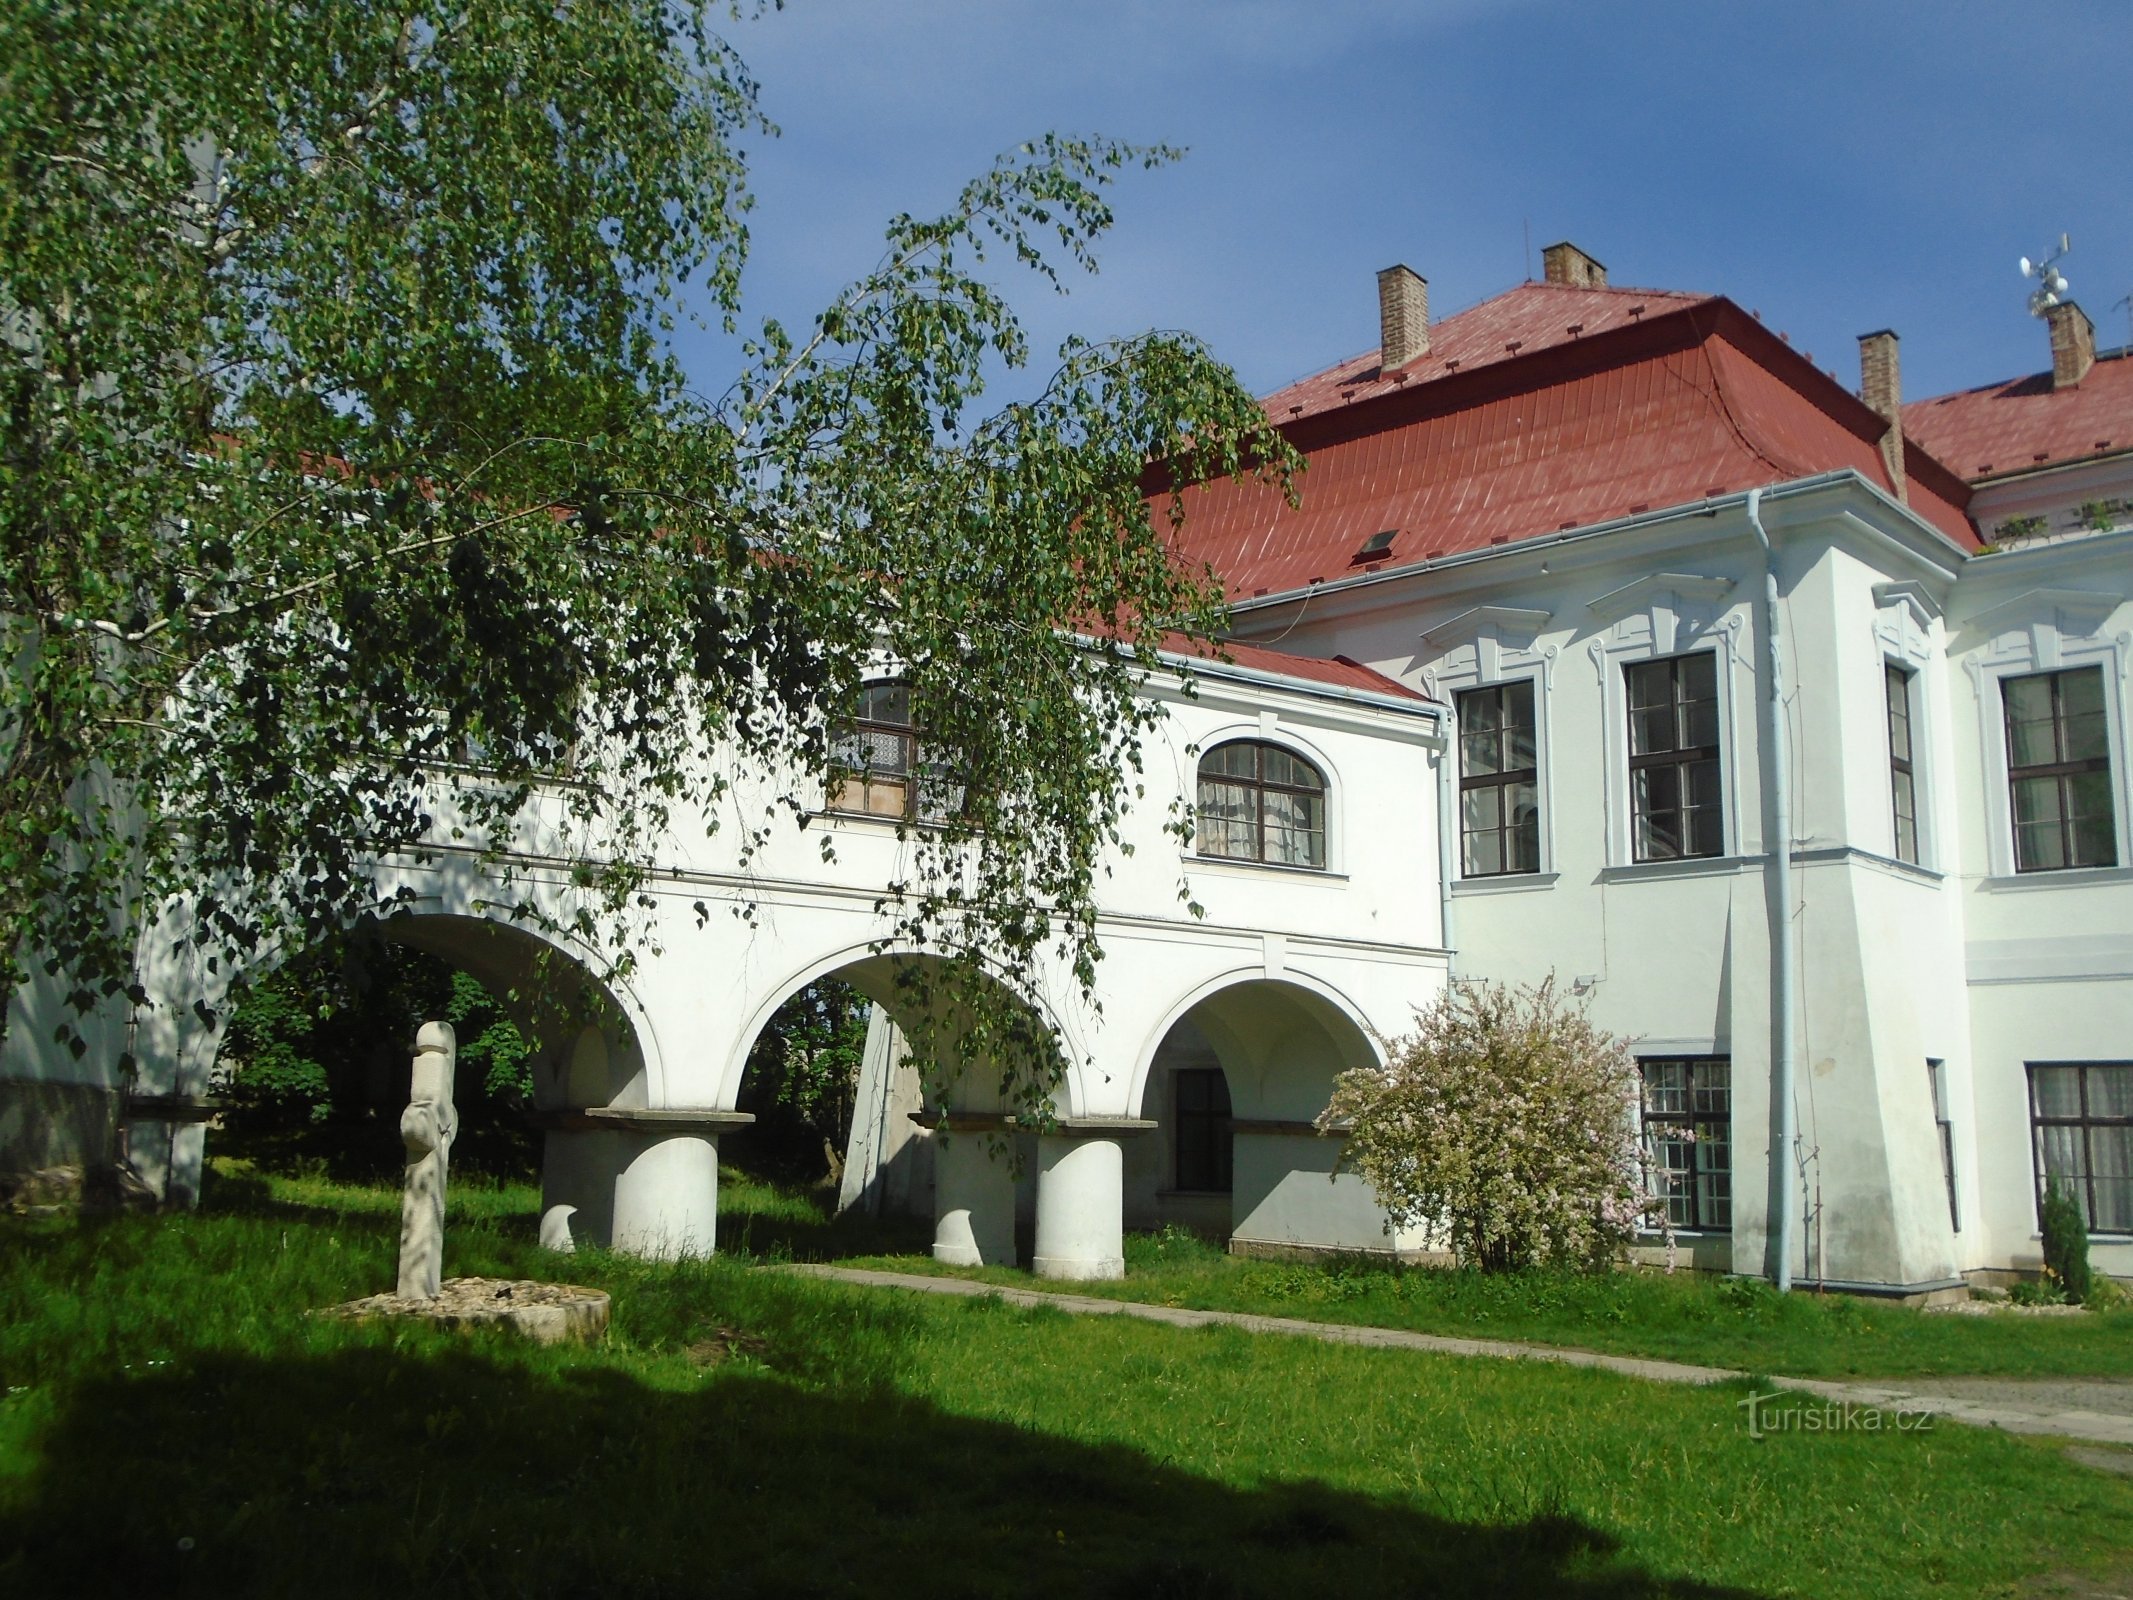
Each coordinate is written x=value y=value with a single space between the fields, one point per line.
x=2081 y=1117
x=1903 y=782
x=1673 y=758
x=1499 y=782
x=1688 y=1129
x=1203 y=1148
x=1937 y=1084
x=2059 y=770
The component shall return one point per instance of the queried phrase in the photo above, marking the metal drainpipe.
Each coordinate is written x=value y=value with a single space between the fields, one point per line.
x=1447 y=824
x=1777 y=786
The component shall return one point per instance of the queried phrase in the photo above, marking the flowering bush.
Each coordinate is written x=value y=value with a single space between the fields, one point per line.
x=1506 y=1120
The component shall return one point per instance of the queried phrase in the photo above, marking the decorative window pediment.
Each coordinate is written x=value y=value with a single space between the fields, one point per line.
x=2062 y=613
x=1903 y=621
x=1480 y=644
x=1670 y=610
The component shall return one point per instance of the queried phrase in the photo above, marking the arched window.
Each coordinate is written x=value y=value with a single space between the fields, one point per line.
x=1259 y=802
x=877 y=765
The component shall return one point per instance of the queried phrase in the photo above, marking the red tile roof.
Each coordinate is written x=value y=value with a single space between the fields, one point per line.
x=1661 y=399
x=1522 y=321
x=2025 y=425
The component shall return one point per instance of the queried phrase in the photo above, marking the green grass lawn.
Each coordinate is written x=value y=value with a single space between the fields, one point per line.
x=174 y=1424
x=1691 y=1317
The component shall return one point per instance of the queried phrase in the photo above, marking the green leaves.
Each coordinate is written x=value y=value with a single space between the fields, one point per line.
x=350 y=497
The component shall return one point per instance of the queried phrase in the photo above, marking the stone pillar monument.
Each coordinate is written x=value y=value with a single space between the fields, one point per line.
x=426 y=1128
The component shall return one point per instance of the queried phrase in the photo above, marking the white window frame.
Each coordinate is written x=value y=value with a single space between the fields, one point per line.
x=1668 y=614
x=2047 y=630
x=1488 y=648
x=1904 y=619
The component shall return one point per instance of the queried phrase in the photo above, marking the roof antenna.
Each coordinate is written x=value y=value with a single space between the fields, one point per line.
x=2127 y=302
x=1527 y=224
x=2051 y=288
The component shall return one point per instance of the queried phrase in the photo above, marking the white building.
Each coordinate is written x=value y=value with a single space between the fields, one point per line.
x=1519 y=722
x=1550 y=513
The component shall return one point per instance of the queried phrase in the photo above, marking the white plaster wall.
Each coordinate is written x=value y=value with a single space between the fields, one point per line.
x=2048 y=956
x=1676 y=955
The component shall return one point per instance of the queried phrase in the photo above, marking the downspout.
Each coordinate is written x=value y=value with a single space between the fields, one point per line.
x=1447 y=830
x=1777 y=790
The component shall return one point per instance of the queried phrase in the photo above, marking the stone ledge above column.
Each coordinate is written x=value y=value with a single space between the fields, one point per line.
x=633 y=1119
x=1277 y=1127
x=1008 y=1122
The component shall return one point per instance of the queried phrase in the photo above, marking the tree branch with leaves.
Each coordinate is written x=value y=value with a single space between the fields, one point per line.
x=344 y=437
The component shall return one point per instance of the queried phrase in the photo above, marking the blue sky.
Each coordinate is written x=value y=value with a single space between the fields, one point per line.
x=1840 y=167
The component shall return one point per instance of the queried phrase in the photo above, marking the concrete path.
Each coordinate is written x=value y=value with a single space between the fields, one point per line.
x=1990 y=1403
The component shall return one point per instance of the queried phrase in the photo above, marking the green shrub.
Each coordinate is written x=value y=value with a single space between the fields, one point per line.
x=2066 y=1243
x=1504 y=1121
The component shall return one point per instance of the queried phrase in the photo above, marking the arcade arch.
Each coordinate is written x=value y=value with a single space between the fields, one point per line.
x=1248 y=1062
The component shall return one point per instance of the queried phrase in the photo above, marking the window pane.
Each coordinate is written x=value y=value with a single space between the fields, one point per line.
x=2093 y=844
x=1666 y=1087
x=1899 y=696
x=1653 y=797
x=1522 y=831
x=2036 y=800
x=2110 y=1091
x=886 y=702
x=2081 y=692
x=2028 y=699
x=2088 y=796
x=2111 y=1169
x=2041 y=848
x=1231 y=760
x=1520 y=752
x=1481 y=710
x=1651 y=684
x=1651 y=732
x=1479 y=809
x=1228 y=820
x=1284 y=768
x=1699 y=726
x=2057 y=1091
x=2061 y=1145
x=1294 y=831
x=885 y=751
x=1483 y=855
x=1481 y=752
x=1714 y=1086
x=1699 y=676
x=1906 y=839
x=2087 y=738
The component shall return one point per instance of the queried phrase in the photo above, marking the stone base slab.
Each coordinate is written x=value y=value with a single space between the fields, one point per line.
x=547 y=1313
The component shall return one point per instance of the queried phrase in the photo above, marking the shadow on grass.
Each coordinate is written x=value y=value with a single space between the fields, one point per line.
x=457 y=1468
x=806 y=1227
x=754 y=1222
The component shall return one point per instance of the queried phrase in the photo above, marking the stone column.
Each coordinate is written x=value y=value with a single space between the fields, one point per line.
x=578 y=1168
x=666 y=1193
x=426 y=1128
x=1080 y=1199
x=973 y=1191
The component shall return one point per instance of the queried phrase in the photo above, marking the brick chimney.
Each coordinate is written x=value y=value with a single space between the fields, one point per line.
x=1566 y=264
x=1403 y=317
x=2073 y=344
x=1881 y=386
